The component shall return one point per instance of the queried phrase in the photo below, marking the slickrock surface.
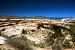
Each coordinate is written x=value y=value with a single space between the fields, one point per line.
x=2 y=40
x=14 y=27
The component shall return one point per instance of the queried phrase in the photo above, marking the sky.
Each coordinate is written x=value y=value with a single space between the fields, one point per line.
x=49 y=8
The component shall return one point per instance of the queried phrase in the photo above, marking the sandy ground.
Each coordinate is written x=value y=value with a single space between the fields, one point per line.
x=49 y=49
x=37 y=48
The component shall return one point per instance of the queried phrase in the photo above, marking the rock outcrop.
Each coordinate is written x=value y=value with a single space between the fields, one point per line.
x=2 y=40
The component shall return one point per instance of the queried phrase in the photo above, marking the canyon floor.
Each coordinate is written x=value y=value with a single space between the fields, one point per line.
x=37 y=30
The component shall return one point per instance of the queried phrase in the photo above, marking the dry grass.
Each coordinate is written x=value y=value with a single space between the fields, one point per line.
x=7 y=47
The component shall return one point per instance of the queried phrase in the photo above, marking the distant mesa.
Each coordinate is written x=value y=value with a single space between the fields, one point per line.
x=22 y=17
x=31 y=17
x=39 y=17
x=10 y=17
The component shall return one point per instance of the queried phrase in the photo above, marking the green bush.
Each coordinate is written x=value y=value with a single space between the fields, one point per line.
x=58 y=34
x=66 y=44
x=21 y=43
x=42 y=44
x=33 y=43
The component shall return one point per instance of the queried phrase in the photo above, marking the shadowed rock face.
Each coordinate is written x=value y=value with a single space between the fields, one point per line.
x=3 y=29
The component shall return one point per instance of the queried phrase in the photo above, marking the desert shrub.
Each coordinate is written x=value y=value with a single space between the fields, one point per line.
x=66 y=44
x=21 y=43
x=42 y=44
x=33 y=43
x=59 y=36
x=49 y=39
x=72 y=28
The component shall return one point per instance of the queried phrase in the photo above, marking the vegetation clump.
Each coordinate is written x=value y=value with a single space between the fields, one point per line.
x=22 y=43
x=60 y=36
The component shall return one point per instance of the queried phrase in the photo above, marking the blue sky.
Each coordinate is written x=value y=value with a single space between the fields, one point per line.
x=49 y=8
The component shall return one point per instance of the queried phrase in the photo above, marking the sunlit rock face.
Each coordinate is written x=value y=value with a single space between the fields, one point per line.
x=2 y=40
x=15 y=29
